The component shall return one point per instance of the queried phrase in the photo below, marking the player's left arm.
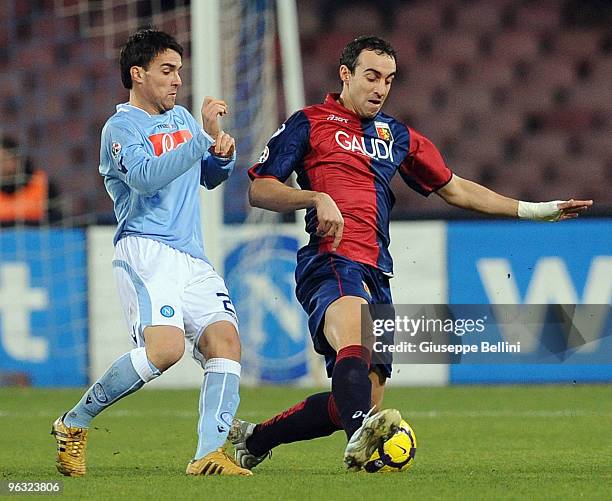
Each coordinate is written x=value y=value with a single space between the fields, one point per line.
x=473 y=196
x=217 y=167
x=425 y=171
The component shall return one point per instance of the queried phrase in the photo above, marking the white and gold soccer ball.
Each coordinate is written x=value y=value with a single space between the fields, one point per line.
x=396 y=453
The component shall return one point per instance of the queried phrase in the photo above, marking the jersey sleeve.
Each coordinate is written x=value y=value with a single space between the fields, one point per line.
x=146 y=173
x=285 y=149
x=424 y=169
x=214 y=170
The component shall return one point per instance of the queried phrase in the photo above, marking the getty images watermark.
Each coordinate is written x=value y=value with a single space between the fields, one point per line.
x=488 y=334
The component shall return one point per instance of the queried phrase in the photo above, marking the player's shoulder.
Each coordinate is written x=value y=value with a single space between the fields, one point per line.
x=321 y=113
x=391 y=120
x=121 y=118
x=317 y=107
x=318 y=110
x=296 y=122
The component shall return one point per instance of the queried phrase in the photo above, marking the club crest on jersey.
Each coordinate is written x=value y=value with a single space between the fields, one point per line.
x=374 y=148
x=115 y=150
x=167 y=311
x=383 y=130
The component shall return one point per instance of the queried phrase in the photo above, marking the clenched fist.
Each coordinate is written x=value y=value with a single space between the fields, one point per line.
x=224 y=145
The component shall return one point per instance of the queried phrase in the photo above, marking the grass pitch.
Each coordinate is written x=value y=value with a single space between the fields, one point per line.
x=546 y=442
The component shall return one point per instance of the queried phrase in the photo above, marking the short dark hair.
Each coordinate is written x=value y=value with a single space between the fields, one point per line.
x=351 y=52
x=141 y=48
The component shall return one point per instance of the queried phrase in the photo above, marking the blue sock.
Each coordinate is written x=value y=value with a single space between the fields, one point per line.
x=219 y=401
x=127 y=374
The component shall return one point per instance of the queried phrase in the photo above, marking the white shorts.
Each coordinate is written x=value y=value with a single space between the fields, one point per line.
x=159 y=285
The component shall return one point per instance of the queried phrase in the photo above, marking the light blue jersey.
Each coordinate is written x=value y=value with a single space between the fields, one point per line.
x=153 y=166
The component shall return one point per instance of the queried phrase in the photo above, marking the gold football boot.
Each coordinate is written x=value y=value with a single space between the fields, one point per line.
x=216 y=463
x=71 y=443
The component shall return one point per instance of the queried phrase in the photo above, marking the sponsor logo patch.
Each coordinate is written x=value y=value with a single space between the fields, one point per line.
x=335 y=118
x=374 y=147
x=168 y=141
x=227 y=418
x=99 y=393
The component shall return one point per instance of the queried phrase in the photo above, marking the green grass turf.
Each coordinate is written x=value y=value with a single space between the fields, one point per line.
x=547 y=442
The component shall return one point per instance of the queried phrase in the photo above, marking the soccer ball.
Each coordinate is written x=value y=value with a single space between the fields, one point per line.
x=394 y=454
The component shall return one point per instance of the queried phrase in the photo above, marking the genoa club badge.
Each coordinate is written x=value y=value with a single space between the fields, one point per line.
x=383 y=130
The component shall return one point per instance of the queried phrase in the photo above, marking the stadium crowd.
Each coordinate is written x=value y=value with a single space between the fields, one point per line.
x=515 y=93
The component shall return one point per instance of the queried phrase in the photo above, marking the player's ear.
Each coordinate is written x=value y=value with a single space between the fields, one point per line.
x=344 y=73
x=137 y=73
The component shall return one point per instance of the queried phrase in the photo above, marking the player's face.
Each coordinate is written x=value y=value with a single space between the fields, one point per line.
x=365 y=91
x=160 y=82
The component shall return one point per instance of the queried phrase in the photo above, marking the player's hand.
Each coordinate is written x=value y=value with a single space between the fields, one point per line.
x=224 y=146
x=555 y=210
x=572 y=208
x=212 y=109
x=331 y=222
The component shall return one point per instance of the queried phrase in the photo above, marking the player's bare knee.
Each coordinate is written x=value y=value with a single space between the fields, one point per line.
x=165 y=346
x=220 y=340
x=175 y=353
x=340 y=337
x=165 y=356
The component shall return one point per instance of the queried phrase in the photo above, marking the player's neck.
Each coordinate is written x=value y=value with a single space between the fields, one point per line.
x=138 y=102
x=343 y=101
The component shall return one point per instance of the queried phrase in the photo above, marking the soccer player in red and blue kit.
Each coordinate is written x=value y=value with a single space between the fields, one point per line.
x=345 y=152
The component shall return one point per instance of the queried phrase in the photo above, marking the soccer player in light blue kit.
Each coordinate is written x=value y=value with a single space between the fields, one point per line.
x=154 y=157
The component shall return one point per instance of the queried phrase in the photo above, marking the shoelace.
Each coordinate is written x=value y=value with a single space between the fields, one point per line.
x=77 y=447
x=75 y=443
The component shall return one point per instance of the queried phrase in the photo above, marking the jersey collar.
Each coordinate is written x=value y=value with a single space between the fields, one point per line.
x=127 y=108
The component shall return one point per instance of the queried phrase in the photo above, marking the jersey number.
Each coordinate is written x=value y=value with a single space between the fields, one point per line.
x=227 y=302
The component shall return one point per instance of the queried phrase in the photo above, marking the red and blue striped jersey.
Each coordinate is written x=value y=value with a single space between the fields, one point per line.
x=333 y=151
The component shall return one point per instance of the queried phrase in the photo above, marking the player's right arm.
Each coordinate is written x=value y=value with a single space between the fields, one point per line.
x=143 y=171
x=273 y=195
x=283 y=154
x=269 y=193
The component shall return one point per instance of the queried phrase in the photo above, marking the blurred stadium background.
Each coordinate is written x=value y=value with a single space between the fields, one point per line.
x=516 y=94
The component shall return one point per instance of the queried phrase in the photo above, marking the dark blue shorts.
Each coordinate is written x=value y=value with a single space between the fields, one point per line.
x=322 y=279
